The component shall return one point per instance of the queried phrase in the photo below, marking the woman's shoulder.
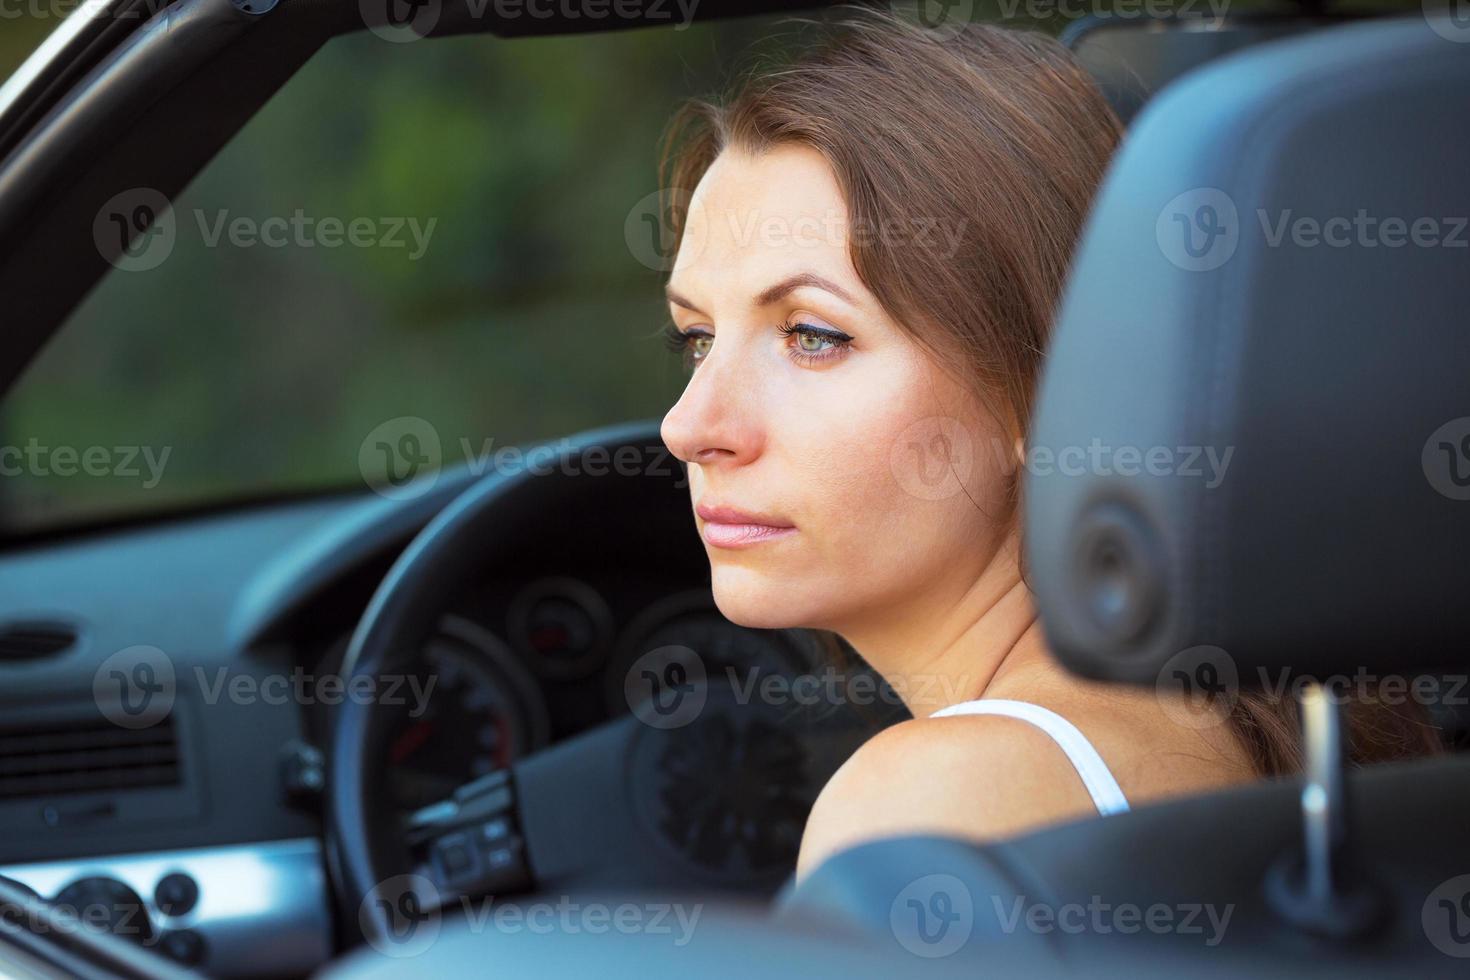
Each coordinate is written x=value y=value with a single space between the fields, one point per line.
x=994 y=775
x=972 y=776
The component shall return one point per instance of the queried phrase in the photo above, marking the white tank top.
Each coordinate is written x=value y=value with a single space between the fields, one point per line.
x=1096 y=776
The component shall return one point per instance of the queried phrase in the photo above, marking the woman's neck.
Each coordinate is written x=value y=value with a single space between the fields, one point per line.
x=940 y=649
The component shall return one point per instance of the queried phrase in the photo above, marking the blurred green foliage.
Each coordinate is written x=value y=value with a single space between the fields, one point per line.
x=263 y=369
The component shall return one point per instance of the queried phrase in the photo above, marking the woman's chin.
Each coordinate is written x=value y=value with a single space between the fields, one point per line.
x=747 y=598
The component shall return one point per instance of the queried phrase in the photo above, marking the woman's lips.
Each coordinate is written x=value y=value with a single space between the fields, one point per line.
x=742 y=535
x=726 y=527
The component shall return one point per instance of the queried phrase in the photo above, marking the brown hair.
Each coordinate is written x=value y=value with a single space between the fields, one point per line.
x=1002 y=136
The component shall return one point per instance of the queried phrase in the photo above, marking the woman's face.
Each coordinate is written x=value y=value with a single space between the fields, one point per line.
x=837 y=474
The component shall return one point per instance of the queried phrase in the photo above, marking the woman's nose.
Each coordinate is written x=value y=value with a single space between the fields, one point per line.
x=716 y=419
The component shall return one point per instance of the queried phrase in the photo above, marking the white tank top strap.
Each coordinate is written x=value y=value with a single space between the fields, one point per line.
x=1096 y=775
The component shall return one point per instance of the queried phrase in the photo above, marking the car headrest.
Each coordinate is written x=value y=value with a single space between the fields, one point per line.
x=1253 y=428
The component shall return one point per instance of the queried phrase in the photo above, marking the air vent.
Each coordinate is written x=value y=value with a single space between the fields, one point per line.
x=90 y=756
x=34 y=640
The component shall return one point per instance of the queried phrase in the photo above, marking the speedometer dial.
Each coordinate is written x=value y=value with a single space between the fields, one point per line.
x=688 y=625
x=561 y=626
x=472 y=710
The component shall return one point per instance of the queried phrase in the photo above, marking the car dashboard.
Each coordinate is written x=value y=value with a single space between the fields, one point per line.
x=196 y=820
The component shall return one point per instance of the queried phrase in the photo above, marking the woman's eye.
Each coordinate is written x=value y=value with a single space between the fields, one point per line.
x=691 y=345
x=813 y=343
x=810 y=343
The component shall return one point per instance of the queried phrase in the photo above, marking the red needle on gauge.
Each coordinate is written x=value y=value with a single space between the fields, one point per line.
x=409 y=742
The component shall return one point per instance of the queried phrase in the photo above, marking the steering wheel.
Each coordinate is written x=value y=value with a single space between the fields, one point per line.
x=513 y=830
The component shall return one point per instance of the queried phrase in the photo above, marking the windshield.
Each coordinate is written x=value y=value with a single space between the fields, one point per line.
x=439 y=239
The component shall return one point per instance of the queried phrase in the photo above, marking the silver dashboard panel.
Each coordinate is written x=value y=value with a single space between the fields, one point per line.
x=263 y=908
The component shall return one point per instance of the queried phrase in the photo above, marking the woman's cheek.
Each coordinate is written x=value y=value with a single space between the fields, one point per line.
x=846 y=478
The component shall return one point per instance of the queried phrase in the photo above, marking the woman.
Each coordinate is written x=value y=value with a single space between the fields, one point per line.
x=872 y=252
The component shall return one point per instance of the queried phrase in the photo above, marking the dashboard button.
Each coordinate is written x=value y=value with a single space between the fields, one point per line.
x=106 y=904
x=184 y=946
x=456 y=858
x=496 y=830
x=175 y=894
x=499 y=859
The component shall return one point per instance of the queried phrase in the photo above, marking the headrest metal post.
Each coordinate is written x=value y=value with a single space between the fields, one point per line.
x=1318 y=888
x=1324 y=809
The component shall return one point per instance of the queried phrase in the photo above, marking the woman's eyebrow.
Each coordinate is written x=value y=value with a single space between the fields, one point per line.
x=773 y=294
x=678 y=300
x=779 y=291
